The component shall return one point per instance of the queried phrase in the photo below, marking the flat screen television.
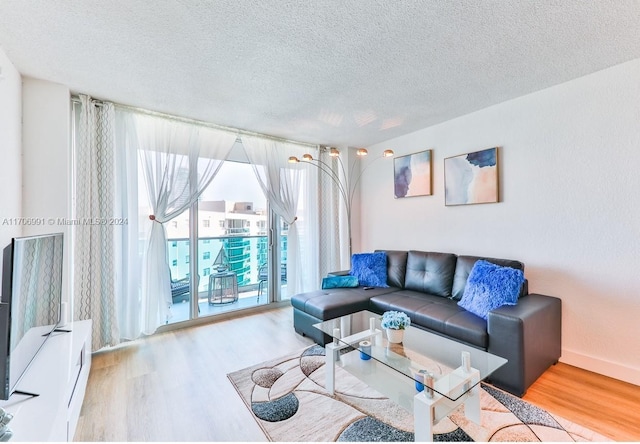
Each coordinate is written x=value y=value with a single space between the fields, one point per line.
x=29 y=305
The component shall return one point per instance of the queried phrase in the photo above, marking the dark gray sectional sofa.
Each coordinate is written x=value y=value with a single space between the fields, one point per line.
x=427 y=286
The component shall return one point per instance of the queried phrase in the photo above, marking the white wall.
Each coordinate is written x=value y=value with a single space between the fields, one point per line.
x=10 y=151
x=46 y=163
x=569 y=209
x=46 y=153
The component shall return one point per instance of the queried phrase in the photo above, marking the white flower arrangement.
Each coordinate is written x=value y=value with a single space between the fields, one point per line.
x=395 y=320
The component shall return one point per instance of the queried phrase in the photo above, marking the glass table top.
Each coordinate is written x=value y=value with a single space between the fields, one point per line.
x=420 y=353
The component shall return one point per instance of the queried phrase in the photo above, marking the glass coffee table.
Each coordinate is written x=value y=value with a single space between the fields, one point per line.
x=426 y=374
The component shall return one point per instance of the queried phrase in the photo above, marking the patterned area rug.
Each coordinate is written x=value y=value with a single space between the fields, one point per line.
x=288 y=400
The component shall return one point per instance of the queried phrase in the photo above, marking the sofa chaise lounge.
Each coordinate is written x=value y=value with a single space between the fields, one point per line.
x=427 y=286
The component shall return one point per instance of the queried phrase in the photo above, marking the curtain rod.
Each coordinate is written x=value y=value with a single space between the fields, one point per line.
x=240 y=132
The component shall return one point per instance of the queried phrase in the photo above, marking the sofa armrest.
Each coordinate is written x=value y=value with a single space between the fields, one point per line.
x=339 y=273
x=529 y=336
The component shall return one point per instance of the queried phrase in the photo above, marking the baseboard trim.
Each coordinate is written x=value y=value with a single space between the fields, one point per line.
x=608 y=368
x=224 y=316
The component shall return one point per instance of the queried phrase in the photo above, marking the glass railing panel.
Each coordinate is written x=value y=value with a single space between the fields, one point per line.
x=242 y=254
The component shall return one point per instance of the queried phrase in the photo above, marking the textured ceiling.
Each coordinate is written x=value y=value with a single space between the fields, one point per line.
x=325 y=71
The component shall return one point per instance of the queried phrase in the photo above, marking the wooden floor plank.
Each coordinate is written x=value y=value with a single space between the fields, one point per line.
x=173 y=386
x=605 y=405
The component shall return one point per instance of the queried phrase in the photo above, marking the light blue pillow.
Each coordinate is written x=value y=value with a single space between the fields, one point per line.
x=490 y=286
x=370 y=268
x=339 y=282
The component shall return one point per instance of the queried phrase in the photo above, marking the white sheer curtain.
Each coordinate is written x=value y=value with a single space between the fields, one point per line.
x=178 y=161
x=284 y=185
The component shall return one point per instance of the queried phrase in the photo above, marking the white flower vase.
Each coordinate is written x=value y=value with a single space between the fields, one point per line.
x=395 y=336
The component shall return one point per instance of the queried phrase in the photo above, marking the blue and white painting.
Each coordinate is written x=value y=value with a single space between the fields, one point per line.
x=471 y=178
x=412 y=175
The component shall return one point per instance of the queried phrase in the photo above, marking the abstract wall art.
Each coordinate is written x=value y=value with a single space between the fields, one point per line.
x=412 y=175
x=471 y=178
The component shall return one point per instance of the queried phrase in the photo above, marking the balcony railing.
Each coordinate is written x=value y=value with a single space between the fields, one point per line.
x=242 y=254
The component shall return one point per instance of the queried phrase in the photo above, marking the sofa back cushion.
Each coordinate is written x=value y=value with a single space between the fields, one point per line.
x=464 y=265
x=430 y=272
x=396 y=267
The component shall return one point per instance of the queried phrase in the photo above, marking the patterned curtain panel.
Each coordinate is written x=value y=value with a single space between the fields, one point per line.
x=94 y=269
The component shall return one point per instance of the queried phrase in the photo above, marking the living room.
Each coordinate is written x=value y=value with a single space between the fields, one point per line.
x=567 y=152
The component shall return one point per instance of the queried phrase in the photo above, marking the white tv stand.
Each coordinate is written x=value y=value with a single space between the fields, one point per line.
x=59 y=375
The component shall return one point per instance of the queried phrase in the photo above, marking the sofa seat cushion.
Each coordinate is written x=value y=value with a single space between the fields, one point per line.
x=333 y=303
x=435 y=316
x=469 y=328
x=400 y=300
x=444 y=316
x=435 y=313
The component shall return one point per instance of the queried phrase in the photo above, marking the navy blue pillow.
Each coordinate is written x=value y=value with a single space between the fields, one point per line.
x=370 y=268
x=490 y=286
x=339 y=282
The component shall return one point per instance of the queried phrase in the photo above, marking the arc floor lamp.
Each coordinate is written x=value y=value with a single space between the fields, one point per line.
x=345 y=183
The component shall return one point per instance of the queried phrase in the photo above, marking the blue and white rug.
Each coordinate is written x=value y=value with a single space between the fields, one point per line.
x=289 y=402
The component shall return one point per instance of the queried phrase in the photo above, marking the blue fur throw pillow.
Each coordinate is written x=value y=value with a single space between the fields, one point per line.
x=339 y=282
x=370 y=268
x=490 y=286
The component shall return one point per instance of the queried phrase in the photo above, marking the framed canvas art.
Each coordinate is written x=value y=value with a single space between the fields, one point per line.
x=471 y=178
x=412 y=175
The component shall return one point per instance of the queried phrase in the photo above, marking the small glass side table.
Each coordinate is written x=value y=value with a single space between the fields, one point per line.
x=223 y=288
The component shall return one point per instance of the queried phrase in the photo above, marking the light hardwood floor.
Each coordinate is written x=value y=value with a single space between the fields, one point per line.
x=173 y=386
x=604 y=405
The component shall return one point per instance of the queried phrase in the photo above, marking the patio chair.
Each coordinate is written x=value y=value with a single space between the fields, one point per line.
x=263 y=275
x=179 y=288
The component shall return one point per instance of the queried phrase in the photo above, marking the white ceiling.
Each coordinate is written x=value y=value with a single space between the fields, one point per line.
x=334 y=72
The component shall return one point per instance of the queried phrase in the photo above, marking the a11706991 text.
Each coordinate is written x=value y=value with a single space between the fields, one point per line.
x=63 y=221
x=15 y=221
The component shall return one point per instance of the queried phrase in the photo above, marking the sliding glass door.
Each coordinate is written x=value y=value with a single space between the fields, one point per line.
x=230 y=250
x=237 y=259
